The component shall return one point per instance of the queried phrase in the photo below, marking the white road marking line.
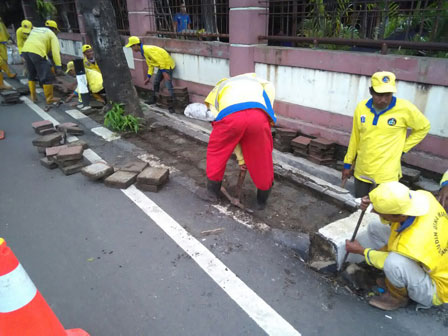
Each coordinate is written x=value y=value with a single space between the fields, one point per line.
x=105 y=133
x=92 y=156
x=75 y=114
x=263 y=314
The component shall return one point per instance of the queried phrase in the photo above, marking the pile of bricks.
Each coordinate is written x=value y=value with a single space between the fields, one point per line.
x=68 y=158
x=181 y=99
x=283 y=138
x=48 y=140
x=43 y=127
x=10 y=96
x=300 y=146
x=321 y=151
x=163 y=100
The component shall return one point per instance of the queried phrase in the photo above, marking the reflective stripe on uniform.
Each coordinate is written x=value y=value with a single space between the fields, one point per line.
x=16 y=290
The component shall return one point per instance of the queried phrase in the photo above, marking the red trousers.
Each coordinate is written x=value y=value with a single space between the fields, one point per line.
x=251 y=129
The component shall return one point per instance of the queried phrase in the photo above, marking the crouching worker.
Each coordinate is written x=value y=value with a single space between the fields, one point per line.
x=411 y=248
x=94 y=83
x=243 y=109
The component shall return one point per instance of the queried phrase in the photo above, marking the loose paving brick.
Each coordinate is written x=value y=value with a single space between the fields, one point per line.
x=48 y=163
x=120 y=179
x=148 y=187
x=153 y=176
x=46 y=131
x=48 y=140
x=53 y=151
x=70 y=153
x=97 y=171
x=73 y=169
x=134 y=166
x=41 y=125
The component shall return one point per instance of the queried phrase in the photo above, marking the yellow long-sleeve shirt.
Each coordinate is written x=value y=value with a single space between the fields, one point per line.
x=42 y=41
x=156 y=57
x=91 y=66
x=4 y=35
x=21 y=38
x=378 y=139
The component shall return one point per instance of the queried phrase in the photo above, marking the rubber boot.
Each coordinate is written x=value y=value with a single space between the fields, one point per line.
x=5 y=68
x=262 y=198
x=3 y=86
x=32 y=86
x=393 y=299
x=49 y=98
x=212 y=192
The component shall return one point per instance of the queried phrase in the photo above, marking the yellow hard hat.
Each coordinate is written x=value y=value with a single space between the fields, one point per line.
x=70 y=66
x=132 y=41
x=27 y=26
x=383 y=82
x=51 y=24
x=394 y=198
x=86 y=47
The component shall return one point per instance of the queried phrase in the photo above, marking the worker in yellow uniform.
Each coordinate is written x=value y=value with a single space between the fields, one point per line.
x=4 y=38
x=156 y=57
x=443 y=193
x=89 y=58
x=379 y=132
x=410 y=244
x=41 y=42
x=22 y=33
x=94 y=83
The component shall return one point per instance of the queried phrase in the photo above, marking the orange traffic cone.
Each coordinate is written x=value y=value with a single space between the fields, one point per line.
x=23 y=310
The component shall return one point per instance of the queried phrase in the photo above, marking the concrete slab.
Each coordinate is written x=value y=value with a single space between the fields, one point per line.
x=120 y=179
x=97 y=171
x=333 y=236
x=153 y=176
x=70 y=153
x=134 y=166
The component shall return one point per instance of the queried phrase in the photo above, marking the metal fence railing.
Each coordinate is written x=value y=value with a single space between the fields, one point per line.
x=66 y=16
x=192 y=19
x=121 y=16
x=339 y=24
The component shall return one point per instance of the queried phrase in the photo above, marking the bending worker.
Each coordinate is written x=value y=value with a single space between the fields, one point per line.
x=379 y=132
x=22 y=34
x=411 y=246
x=89 y=58
x=40 y=42
x=4 y=38
x=243 y=109
x=94 y=83
x=156 y=57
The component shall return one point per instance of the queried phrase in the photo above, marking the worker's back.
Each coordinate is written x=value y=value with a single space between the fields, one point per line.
x=41 y=41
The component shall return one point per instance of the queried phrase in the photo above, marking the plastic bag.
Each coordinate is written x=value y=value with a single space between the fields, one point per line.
x=199 y=111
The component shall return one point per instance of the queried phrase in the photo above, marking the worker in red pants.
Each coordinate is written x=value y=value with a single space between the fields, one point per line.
x=244 y=113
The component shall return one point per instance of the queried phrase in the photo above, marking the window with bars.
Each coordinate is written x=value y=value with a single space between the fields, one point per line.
x=121 y=16
x=414 y=21
x=192 y=19
x=67 y=17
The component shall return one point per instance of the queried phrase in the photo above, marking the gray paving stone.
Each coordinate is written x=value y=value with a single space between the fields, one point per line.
x=73 y=169
x=48 y=163
x=70 y=153
x=148 y=187
x=153 y=176
x=48 y=140
x=120 y=179
x=97 y=171
x=134 y=166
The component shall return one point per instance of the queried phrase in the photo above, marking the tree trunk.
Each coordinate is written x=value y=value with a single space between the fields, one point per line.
x=101 y=27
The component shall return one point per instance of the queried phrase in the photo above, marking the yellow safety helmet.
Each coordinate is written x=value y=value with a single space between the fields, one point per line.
x=51 y=24
x=26 y=26
x=132 y=41
x=86 y=47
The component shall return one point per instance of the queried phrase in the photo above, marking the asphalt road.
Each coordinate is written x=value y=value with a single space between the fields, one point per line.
x=105 y=266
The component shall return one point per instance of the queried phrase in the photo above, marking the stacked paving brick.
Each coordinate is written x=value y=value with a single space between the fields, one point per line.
x=10 y=96
x=48 y=140
x=321 y=151
x=126 y=175
x=300 y=146
x=283 y=138
x=181 y=99
x=152 y=179
x=68 y=158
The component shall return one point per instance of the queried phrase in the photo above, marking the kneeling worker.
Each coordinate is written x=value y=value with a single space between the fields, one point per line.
x=94 y=82
x=243 y=108
x=41 y=42
x=411 y=248
x=156 y=57
x=89 y=58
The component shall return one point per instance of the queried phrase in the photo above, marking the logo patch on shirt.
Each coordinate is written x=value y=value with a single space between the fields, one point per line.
x=386 y=79
x=363 y=119
x=392 y=122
